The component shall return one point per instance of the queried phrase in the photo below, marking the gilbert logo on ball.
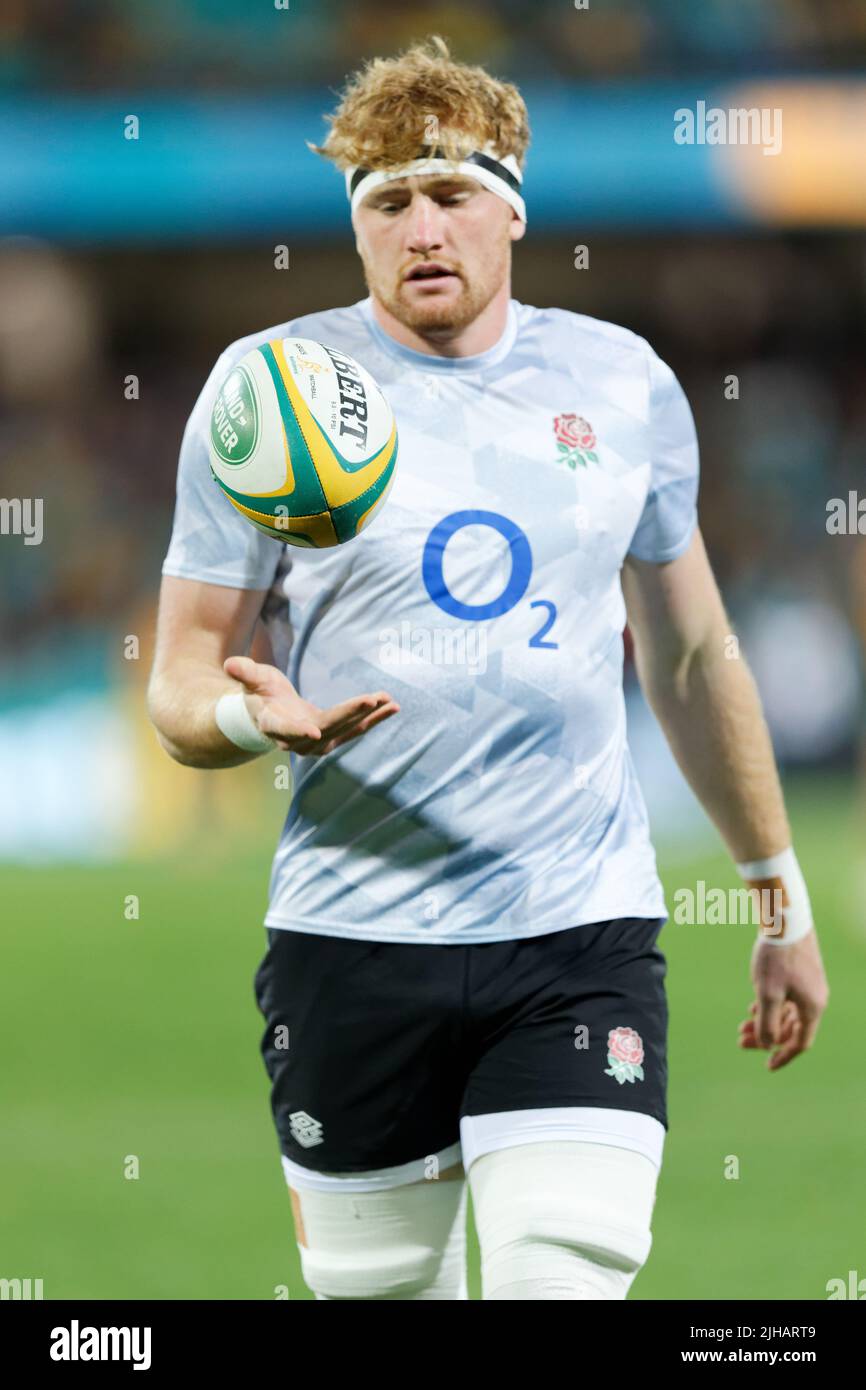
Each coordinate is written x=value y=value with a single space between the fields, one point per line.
x=303 y=443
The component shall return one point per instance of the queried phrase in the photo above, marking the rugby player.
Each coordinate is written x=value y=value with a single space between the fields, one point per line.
x=464 y=905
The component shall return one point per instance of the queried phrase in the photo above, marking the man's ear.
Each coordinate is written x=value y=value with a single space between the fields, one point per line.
x=355 y=234
x=516 y=228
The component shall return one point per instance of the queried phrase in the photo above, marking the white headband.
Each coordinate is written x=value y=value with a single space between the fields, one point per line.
x=501 y=176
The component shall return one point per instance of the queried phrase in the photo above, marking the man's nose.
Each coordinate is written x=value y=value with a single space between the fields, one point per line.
x=425 y=224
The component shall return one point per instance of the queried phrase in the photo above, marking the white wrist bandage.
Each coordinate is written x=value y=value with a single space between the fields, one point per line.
x=235 y=721
x=786 y=913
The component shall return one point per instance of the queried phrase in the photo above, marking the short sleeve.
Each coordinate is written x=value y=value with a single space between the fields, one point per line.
x=669 y=517
x=210 y=541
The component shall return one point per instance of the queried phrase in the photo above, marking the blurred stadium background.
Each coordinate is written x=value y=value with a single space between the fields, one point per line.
x=142 y=258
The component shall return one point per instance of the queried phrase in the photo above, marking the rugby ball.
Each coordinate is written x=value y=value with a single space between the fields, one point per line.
x=302 y=442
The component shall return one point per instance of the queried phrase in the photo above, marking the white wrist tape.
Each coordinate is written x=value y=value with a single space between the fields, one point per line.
x=235 y=721
x=786 y=913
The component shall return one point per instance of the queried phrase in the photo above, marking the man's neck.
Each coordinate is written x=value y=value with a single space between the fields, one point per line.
x=482 y=333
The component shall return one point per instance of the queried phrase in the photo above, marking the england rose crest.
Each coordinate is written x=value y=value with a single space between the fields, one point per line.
x=624 y=1055
x=575 y=440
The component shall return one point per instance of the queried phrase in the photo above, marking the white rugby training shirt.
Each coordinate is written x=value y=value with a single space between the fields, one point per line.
x=501 y=801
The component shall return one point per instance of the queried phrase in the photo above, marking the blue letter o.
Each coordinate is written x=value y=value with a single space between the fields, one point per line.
x=434 y=578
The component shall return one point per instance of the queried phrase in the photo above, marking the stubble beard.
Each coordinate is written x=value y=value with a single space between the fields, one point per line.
x=434 y=318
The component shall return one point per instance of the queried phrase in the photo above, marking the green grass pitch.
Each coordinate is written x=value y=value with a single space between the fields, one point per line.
x=141 y=1038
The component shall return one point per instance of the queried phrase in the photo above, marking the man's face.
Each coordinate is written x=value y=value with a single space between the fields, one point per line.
x=435 y=249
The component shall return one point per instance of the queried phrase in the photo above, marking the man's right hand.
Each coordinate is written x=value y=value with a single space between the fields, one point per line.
x=295 y=724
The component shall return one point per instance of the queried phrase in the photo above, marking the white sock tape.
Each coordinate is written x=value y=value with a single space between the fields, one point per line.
x=235 y=721
x=786 y=913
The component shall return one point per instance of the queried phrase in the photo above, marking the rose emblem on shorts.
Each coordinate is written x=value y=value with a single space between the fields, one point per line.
x=624 y=1055
x=575 y=440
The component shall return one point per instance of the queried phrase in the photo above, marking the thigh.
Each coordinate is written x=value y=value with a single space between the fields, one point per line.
x=361 y=1044
x=574 y=1019
x=403 y=1242
x=562 y=1219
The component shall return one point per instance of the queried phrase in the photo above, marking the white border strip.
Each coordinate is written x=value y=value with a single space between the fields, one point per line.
x=505 y=1129
x=415 y=1171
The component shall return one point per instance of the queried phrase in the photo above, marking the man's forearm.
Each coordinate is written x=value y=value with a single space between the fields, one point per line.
x=181 y=705
x=710 y=712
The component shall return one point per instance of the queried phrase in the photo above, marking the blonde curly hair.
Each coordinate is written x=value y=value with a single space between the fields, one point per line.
x=393 y=107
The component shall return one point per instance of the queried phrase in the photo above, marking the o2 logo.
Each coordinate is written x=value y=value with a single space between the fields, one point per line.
x=433 y=575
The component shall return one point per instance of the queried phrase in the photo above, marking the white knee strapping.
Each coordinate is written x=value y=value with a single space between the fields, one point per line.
x=562 y=1220
x=407 y=1242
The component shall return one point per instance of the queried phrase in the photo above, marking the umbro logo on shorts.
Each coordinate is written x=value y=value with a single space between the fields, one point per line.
x=305 y=1129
